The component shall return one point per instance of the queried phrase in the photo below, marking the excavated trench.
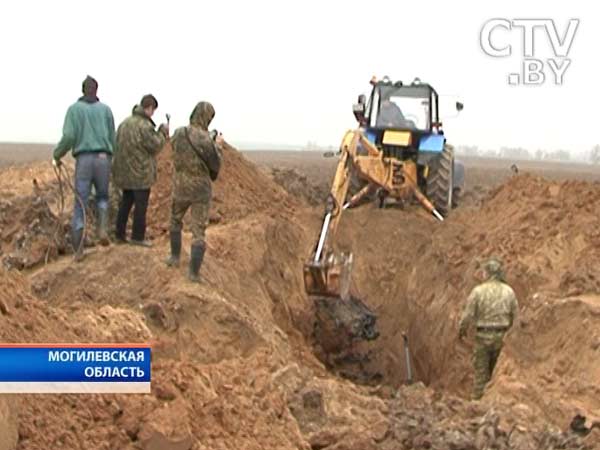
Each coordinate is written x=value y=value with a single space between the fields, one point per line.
x=415 y=274
x=404 y=284
x=403 y=280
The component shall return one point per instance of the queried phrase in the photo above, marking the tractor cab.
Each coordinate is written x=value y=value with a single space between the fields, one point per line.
x=402 y=119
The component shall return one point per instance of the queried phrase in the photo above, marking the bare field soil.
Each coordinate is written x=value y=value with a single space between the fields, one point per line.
x=481 y=171
x=16 y=153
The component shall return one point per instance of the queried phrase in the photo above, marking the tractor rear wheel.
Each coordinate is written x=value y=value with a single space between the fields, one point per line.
x=439 y=181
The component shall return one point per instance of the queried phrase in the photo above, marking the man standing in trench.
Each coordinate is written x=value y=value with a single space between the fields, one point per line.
x=89 y=132
x=196 y=162
x=492 y=307
x=134 y=167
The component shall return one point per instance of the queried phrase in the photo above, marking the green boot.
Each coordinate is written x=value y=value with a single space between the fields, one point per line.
x=103 y=227
x=173 y=260
x=196 y=257
x=77 y=243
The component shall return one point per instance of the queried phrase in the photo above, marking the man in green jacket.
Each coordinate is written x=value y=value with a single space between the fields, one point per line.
x=89 y=133
x=134 y=167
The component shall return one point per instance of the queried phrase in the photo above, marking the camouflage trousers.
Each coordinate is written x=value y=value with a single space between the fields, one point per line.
x=199 y=218
x=487 y=348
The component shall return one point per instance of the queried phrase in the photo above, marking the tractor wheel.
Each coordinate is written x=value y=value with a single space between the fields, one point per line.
x=439 y=181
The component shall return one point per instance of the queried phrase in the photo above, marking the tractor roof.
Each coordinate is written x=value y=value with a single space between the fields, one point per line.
x=399 y=84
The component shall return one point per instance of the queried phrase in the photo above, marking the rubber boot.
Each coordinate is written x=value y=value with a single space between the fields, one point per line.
x=173 y=260
x=196 y=257
x=103 y=227
x=77 y=243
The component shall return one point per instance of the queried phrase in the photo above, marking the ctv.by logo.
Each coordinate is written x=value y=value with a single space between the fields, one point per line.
x=532 y=71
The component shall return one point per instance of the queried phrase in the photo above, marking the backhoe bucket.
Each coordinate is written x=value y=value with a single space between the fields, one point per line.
x=329 y=277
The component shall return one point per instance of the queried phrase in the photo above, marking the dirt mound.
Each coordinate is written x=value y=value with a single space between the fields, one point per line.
x=35 y=216
x=552 y=359
x=241 y=190
x=13 y=296
x=549 y=230
x=23 y=317
x=17 y=181
x=30 y=232
x=9 y=434
x=297 y=184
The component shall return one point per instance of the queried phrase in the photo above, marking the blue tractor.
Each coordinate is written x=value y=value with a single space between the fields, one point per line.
x=398 y=152
x=402 y=122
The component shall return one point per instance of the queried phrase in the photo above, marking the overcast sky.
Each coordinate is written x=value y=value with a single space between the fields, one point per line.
x=289 y=71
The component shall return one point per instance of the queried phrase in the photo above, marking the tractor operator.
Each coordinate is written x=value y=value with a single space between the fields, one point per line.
x=390 y=115
x=492 y=307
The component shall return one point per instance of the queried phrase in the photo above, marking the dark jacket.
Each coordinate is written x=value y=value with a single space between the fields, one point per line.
x=138 y=143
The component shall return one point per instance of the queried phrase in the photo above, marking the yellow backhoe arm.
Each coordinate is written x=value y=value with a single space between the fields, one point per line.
x=327 y=273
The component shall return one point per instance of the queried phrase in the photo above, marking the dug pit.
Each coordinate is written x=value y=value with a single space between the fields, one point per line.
x=415 y=276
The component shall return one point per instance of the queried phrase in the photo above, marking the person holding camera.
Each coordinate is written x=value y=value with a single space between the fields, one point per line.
x=196 y=163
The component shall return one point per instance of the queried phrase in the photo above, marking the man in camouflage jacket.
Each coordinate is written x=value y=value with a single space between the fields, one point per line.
x=492 y=307
x=196 y=163
x=134 y=167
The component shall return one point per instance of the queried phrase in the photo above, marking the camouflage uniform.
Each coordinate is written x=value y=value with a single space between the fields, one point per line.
x=138 y=143
x=134 y=171
x=196 y=162
x=492 y=307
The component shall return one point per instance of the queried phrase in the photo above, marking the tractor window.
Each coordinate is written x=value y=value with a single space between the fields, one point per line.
x=404 y=112
x=404 y=107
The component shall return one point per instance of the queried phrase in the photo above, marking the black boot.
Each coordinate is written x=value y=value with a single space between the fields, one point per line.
x=196 y=257
x=77 y=243
x=173 y=260
x=103 y=227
